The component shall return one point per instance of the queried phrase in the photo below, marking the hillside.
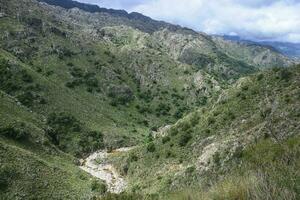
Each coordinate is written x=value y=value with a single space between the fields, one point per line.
x=77 y=78
x=221 y=150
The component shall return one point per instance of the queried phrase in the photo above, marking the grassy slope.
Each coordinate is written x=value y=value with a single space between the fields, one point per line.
x=157 y=82
x=31 y=167
x=257 y=107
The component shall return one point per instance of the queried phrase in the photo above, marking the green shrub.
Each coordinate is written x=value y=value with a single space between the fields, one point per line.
x=174 y=131
x=133 y=158
x=151 y=147
x=184 y=139
x=166 y=139
x=14 y=132
x=62 y=125
x=211 y=120
x=260 y=77
x=162 y=109
x=98 y=187
x=120 y=94
x=6 y=174
x=27 y=98
x=190 y=170
x=285 y=74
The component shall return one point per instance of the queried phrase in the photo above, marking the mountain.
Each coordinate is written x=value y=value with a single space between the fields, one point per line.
x=76 y=79
x=134 y=19
x=291 y=50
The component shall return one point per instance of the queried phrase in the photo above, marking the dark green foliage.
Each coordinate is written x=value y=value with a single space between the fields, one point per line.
x=26 y=77
x=173 y=131
x=194 y=58
x=60 y=125
x=146 y=96
x=217 y=158
x=285 y=74
x=6 y=174
x=133 y=158
x=34 y=22
x=211 y=120
x=15 y=132
x=60 y=33
x=87 y=79
x=151 y=147
x=265 y=112
x=149 y=138
x=185 y=138
x=184 y=126
x=120 y=95
x=71 y=135
x=91 y=141
x=180 y=112
x=190 y=169
x=20 y=84
x=260 y=77
x=98 y=187
x=202 y=101
x=166 y=139
x=162 y=109
x=26 y=98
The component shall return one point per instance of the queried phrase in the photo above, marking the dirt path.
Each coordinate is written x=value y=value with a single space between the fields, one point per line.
x=96 y=165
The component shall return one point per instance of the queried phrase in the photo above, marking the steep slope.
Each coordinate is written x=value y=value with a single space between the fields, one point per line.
x=236 y=136
x=31 y=167
x=115 y=77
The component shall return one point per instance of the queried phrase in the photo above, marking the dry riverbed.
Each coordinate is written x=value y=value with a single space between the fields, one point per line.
x=98 y=166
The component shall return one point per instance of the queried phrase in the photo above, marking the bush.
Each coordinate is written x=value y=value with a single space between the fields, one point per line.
x=133 y=158
x=6 y=173
x=26 y=98
x=184 y=139
x=15 y=133
x=61 y=125
x=26 y=77
x=190 y=169
x=151 y=147
x=174 y=131
x=91 y=141
x=260 y=77
x=285 y=74
x=98 y=187
x=166 y=139
x=120 y=94
x=211 y=120
x=162 y=109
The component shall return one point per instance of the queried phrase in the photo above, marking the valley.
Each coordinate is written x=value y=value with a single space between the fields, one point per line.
x=103 y=104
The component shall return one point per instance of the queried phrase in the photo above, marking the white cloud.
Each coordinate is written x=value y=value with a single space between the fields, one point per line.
x=251 y=19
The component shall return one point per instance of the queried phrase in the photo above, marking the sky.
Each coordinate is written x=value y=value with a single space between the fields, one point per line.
x=268 y=20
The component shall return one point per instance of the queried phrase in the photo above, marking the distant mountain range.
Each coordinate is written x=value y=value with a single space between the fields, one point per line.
x=137 y=20
x=289 y=49
x=149 y=25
